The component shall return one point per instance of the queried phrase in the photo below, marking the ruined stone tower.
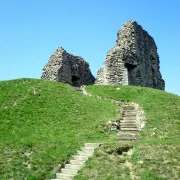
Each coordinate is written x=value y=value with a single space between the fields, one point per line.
x=67 y=68
x=133 y=61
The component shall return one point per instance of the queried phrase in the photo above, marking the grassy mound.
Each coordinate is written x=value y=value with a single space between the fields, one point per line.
x=162 y=110
x=43 y=123
x=157 y=154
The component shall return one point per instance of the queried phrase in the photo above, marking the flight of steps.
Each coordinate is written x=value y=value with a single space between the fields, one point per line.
x=70 y=170
x=128 y=123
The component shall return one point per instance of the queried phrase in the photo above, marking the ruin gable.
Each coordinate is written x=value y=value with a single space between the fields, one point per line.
x=67 y=68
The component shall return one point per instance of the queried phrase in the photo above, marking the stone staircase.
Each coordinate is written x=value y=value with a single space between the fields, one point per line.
x=75 y=164
x=129 y=125
x=132 y=119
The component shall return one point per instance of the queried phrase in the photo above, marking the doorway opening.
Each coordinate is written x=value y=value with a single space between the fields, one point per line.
x=131 y=73
x=75 y=81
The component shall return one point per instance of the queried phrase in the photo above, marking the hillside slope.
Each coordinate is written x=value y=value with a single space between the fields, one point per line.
x=43 y=123
x=157 y=154
x=162 y=109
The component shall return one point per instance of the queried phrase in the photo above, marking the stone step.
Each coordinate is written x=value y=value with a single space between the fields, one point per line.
x=87 y=149
x=94 y=145
x=129 y=118
x=85 y=153
x=73 y=166
x=79 y=157
x=128 y=126
x=63 y=176
x=129 y=129
x=76 y=162
x=125 y=135
x=128 y=107
x=127 y=121
x=69 y=171
x=129 y=113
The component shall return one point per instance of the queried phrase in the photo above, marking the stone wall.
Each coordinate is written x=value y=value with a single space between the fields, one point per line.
x=133 y=61
x=67 y=68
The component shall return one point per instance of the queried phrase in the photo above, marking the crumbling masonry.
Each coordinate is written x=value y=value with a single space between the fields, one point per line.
x=133 y=61
x=67 y=68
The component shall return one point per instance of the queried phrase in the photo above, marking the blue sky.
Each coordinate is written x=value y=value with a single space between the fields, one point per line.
x=32 y=30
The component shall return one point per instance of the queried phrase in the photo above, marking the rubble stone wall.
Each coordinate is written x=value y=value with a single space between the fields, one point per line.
x=133 y=61
x=67 y=68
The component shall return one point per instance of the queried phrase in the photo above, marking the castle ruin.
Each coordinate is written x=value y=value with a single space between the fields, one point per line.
x=67 y=68
x=133 y=60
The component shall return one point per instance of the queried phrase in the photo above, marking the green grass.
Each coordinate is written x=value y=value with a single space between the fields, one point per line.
x=43 y=124
x=107 y=164
x=162 y=110
x=159 y=146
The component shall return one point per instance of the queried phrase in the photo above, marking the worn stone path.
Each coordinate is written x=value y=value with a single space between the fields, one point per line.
x=76 y=163
x=131 y=121
x=129 y=125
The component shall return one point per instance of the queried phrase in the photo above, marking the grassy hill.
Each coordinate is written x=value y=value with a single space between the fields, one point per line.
x=157 y=154
x=44 y=123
